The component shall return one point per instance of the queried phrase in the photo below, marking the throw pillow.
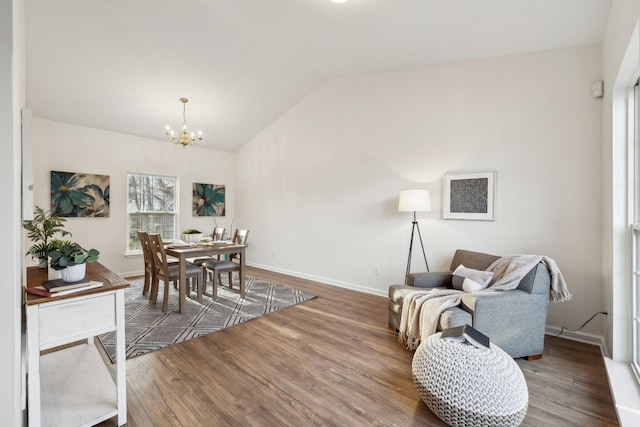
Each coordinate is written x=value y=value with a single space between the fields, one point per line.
x=470 y=280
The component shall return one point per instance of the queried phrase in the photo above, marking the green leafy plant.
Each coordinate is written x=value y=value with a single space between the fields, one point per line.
x=191 y=231
x=40 y=230
x=70 y=254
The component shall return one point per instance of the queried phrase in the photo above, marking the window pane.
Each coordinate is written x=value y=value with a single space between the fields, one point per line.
x=150 y=206
x=634 y=142
x=149 y=193
x=636 y=336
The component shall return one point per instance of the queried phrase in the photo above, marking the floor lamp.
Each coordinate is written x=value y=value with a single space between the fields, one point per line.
x=414 y=201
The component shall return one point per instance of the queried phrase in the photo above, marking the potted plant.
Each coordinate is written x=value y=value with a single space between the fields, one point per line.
x=40 y=230
x=70 y=259
x=191 y=235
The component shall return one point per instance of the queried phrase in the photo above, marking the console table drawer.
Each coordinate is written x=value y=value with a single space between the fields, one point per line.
x=72 y=319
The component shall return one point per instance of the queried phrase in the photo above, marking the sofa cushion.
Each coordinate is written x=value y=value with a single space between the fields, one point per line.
x=470 y=280
x=452 y=317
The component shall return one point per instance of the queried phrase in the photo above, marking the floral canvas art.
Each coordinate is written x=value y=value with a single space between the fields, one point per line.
x=79 y=194
x=208 y=200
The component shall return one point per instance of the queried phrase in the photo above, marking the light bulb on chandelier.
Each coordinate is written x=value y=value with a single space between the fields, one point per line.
x=184 y=138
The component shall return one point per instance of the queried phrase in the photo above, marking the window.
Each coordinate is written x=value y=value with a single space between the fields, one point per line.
x=634 y=203
x=151 y=206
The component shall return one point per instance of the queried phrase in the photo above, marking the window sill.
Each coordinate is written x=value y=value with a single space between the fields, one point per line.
x=625 y=392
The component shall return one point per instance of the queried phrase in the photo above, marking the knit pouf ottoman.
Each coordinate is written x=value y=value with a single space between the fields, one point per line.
x=468 y=386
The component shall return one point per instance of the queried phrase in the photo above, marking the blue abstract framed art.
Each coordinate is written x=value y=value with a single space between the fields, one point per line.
x=208 y=200
x=79 y=194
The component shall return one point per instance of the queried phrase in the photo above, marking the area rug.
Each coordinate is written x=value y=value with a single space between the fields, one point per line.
x=148 y=329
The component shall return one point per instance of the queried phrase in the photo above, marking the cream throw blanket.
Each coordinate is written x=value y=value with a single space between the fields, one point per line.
x=420 y=312
x=509 y=270
x=421 y=309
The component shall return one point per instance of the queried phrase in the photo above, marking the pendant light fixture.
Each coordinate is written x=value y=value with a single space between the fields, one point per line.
x=183 y=138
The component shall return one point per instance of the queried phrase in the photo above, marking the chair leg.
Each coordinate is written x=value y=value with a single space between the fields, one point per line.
x=199 y=286
x=204 y=281
x=165 y=303
x=214 y=291
x=147 y=282
x=153 y=294
x=230 y=280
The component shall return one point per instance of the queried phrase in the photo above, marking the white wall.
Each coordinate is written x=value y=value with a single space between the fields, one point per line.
x=319 y=187
x=621 y=59
x=64 y=147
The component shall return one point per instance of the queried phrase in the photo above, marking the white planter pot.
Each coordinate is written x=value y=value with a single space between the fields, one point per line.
x=192 y=238
x=54 y=274
x=74 y=273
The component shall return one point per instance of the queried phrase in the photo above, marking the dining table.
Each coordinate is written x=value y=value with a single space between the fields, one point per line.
x=194 y=250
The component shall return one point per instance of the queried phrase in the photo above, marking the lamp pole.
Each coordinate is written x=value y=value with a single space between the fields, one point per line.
x=416 y=200
x=413 y=229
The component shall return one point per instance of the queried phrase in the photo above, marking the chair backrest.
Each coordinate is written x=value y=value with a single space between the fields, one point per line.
x=159 y=255
x=218 y=233
x=143 y=236
x=240 y=237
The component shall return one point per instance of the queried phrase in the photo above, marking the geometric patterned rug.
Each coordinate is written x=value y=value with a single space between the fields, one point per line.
x=148 y=329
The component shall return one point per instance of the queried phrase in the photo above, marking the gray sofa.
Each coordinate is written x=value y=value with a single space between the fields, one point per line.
x=514 y=320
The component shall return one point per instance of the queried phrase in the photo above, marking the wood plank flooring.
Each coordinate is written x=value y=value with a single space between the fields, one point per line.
x=332 y=361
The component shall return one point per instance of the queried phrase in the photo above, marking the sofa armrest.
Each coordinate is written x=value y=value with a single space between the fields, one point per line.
x=433 y=279
x=514 y=320
x=496 y=304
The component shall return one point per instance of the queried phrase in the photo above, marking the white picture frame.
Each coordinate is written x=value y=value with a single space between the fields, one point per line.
x=469 y=195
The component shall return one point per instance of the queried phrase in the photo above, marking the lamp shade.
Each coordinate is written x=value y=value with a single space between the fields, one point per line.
x=414 y=201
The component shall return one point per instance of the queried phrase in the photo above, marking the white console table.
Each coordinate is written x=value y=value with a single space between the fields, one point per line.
x=73 y=386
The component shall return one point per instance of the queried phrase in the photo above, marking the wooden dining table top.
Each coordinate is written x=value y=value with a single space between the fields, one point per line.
x=195 y=249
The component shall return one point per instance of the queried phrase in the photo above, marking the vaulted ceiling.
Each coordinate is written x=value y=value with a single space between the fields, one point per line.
x=122 y=65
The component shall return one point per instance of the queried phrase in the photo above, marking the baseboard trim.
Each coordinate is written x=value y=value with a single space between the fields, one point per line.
x=325 y=280
x=583 y=337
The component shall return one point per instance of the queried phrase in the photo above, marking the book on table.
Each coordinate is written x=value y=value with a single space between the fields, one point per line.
x=466 y=333
x=55 y=291
x=57 y=285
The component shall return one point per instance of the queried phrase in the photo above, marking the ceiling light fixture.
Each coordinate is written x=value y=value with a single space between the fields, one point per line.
x=338 y=1
x=184 y=138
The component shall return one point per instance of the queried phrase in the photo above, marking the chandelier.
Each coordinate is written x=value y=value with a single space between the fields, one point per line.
x=184 y=138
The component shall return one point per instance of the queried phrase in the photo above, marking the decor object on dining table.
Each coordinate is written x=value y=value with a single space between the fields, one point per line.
x=70 y=259
x=40 y=231
x=183 y=138
x=79 y=194
x=416 y=200
x=208 y=199
x=191 y=235
x=469 y=195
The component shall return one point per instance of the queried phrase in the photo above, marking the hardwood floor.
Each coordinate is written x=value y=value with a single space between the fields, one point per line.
x=332 y=361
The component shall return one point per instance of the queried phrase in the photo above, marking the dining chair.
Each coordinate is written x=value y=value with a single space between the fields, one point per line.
x=147 y=253
x=216 y=267
x=168 y=272
x=218 y=234
x=143 y=236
